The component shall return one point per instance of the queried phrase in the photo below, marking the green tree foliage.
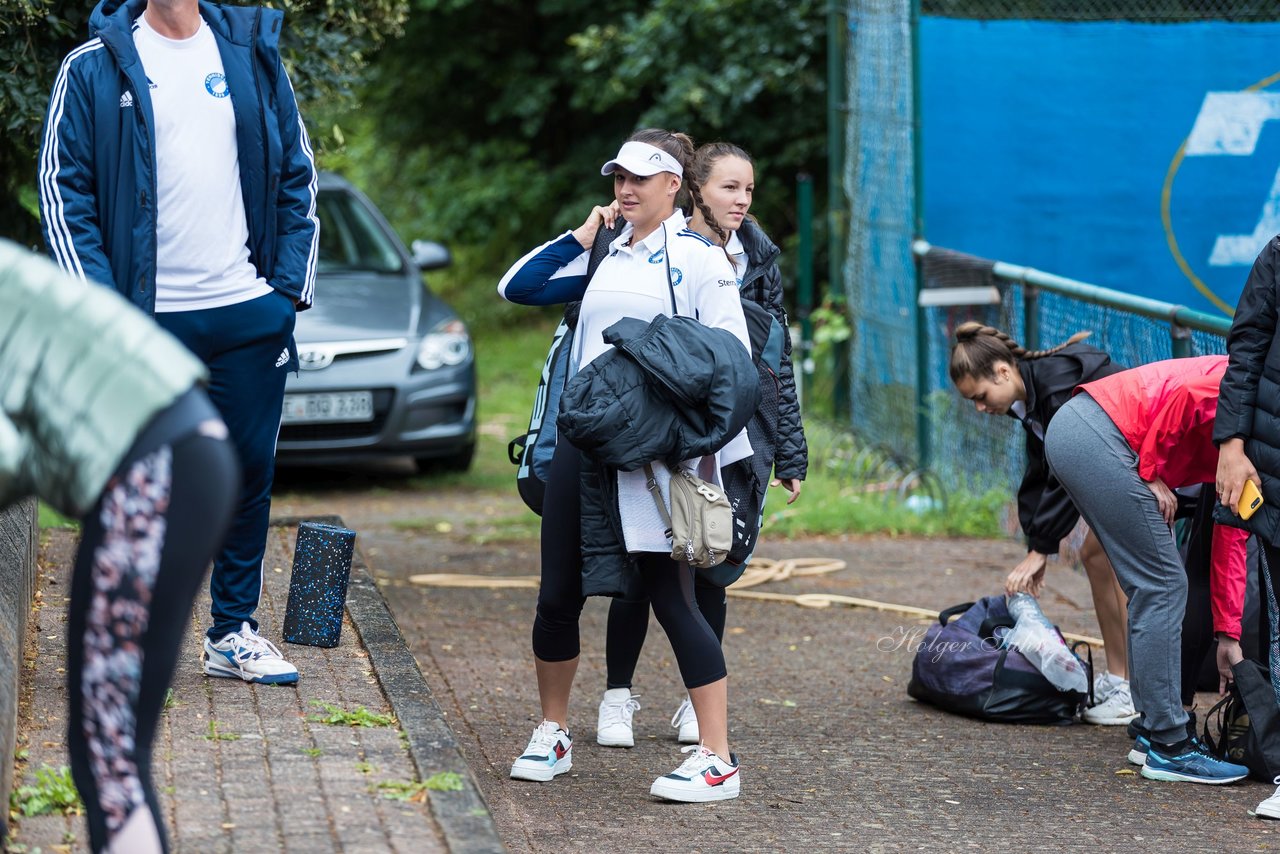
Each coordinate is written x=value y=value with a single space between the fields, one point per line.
x=326 y=46
x=485 y=126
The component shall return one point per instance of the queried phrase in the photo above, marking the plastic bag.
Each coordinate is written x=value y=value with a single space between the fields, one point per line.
x=1040 y=642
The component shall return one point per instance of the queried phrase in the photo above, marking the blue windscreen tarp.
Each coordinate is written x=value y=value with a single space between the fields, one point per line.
x=1142 y=157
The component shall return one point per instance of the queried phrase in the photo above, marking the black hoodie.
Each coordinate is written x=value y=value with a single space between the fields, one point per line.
x=1045 y=510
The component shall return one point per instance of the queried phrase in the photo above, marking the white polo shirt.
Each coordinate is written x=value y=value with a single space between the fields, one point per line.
x=632 y=282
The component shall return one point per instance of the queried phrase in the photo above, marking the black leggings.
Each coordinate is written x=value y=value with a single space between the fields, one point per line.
x=143 y=553
x=629 y=624
x=669 y=585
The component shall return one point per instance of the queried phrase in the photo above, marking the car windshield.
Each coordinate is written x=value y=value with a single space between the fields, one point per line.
x=351 y=240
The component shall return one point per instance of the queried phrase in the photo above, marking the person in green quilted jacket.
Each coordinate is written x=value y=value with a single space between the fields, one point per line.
x=102 y=416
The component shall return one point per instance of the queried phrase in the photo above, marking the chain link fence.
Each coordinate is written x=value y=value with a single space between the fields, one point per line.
x=968 y=450
x=1150 y=11
x=980 y=452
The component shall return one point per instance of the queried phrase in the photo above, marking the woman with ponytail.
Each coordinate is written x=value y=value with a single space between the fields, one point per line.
x=720 y=183
x=655 y=266
x=1003 y=378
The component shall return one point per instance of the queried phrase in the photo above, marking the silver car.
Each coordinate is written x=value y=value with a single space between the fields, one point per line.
x=387 y=368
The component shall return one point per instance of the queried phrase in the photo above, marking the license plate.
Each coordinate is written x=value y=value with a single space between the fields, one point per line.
x=334 y=407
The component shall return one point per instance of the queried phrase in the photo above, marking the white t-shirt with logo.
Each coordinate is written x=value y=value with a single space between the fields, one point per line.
x=202 y=235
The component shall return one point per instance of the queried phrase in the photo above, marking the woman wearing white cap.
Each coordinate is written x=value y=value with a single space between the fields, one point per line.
x=724 y=175
x=654 y=262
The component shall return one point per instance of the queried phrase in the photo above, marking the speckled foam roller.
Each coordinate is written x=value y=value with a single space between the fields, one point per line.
x=318 y=586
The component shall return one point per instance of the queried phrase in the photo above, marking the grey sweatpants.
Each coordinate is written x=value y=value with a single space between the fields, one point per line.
x=1091 y=458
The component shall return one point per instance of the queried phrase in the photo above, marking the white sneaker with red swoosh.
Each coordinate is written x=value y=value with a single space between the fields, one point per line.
x=549 y=754
x=702 y=777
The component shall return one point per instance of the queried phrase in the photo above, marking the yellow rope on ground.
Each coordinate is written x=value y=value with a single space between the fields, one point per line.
x=759 y=571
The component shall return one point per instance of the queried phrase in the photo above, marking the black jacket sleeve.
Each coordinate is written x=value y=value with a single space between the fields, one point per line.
x=792 y=457
x=1045 y=510
x=1252 y=332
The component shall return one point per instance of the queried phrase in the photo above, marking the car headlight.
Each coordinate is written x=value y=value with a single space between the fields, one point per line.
x=446 y=345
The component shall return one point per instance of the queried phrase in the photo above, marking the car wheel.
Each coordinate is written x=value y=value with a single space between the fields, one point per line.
x=458 y=462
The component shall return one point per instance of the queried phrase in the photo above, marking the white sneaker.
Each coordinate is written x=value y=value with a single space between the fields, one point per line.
x=613 y=726
x=1270 y=808
x=1104 y=684
x=249 y=656
x=1116 y=710
x=549 y=753
x=702 y=777
x=686 y=722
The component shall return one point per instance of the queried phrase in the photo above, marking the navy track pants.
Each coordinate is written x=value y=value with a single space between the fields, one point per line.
x=249 y=349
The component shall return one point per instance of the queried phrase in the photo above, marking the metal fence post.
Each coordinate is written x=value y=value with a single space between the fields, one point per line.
x=924 y=439
x=804 y=277
x=1180 y=341
x=1030 y=316
x=837 y=212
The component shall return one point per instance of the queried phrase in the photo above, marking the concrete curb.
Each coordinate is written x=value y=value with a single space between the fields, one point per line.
x=462 y=815
x=19 y=544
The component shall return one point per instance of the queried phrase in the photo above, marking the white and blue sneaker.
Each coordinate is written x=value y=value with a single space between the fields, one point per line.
x=549 y=754
x=1191 y=764
x=702 y=777
x=1138 y=753
x=249 y=656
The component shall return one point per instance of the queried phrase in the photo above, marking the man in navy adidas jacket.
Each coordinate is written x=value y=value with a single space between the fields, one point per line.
x=176 y=169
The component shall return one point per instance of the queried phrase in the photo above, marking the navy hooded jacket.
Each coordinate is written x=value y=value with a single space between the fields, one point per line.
x=97 y=158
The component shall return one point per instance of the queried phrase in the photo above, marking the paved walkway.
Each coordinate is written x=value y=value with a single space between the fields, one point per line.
x=247 y=768
x=836 y=756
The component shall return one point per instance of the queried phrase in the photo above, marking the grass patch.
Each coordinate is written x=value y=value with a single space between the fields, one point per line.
x=53 y=791
x=416 y=791
x=170 y=700
x=853 y=489
x=214 y=735
x=50 y=518
x=313 y=752
x=360 y=716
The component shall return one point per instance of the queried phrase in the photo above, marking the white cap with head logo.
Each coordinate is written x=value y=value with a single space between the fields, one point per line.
x=641 y=158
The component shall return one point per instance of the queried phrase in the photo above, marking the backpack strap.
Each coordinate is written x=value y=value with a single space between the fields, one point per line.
x=652 y=485
x=599 y=251
x=944 y=617
x=600 y=247
x=1219 y=713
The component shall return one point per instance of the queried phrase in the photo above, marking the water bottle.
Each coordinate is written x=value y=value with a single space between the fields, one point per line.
x=1039 y=642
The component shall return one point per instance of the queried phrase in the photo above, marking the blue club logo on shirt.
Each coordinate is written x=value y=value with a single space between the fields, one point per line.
x=677 y=276
x=656 y=258
x=216 y=85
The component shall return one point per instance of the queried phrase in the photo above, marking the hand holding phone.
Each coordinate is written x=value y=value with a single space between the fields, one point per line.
x=1250 y=500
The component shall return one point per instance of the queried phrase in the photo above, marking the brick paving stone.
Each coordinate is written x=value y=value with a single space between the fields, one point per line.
x=240 y=768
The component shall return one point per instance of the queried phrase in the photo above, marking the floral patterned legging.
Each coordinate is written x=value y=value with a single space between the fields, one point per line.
x=142 y=557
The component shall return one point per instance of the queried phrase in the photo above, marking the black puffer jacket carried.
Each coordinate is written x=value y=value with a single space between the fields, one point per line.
x=1045 y=510
x=762 y=284
x=1249 y=397
x=672 y=389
